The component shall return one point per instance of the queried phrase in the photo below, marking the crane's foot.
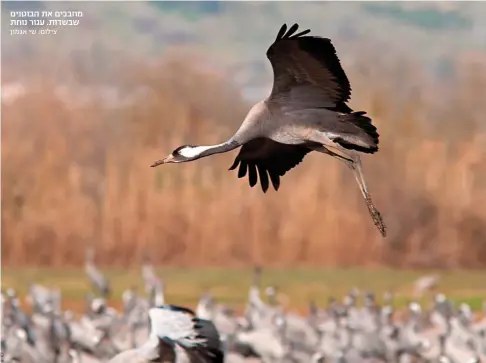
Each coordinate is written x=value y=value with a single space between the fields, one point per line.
x=376 y=215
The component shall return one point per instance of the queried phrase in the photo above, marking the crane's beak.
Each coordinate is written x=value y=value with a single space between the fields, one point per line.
x=166 y=160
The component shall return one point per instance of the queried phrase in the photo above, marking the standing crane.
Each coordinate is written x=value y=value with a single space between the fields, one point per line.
x=96 y=278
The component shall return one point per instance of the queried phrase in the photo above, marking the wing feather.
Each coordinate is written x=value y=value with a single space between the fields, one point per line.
x=301 y=33
x=275 y=178
x=252 y=177
x=307 y=71
x=291 y=31
x=270 y=158
x=281 y=32
x=243 y=169
x=262 y=173
x=172 y=323
x=210 y=351
x=199 y=338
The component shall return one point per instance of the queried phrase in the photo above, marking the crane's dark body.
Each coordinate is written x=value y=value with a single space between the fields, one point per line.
x=306 y=111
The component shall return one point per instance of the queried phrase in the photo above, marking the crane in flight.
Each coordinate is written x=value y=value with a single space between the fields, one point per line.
x=305 y=111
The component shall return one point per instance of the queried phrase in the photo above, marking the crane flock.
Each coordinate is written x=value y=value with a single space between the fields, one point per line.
x=151 y=329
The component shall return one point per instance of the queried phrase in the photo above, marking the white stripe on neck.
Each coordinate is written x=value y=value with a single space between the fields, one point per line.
x=190 y=152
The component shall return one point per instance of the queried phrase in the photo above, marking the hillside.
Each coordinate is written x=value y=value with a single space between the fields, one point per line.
x=432 y=34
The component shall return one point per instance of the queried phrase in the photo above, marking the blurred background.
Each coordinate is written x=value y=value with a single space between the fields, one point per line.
x=86 y=111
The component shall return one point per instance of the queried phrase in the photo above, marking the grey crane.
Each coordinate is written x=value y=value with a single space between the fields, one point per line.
x=96 y=278
x=305 y=111
x=425 y=283
x=176 y=334
x=149 y=276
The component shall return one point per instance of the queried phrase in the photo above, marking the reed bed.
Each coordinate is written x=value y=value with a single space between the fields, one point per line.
x=77 y=174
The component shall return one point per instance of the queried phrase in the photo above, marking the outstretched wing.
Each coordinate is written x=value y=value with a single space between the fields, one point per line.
x=209 y=352
x=307 y=72
x=197 y=337
x=269 y=159
x=175 y=323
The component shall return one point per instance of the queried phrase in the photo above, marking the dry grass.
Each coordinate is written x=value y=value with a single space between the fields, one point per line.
x=296 y=286
x=73 y=176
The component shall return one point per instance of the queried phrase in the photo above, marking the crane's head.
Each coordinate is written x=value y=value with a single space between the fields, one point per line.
x=182 y=154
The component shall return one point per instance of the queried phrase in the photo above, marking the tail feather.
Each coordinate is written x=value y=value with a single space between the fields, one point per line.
x=361 y=135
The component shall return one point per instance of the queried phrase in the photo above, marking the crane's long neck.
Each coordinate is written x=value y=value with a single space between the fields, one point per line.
x=197 y=152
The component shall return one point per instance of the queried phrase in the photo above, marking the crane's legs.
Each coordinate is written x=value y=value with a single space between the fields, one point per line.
x=357 y=169
x=353 y=161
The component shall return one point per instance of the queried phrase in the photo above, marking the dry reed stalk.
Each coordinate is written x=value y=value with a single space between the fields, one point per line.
x=74 y=175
